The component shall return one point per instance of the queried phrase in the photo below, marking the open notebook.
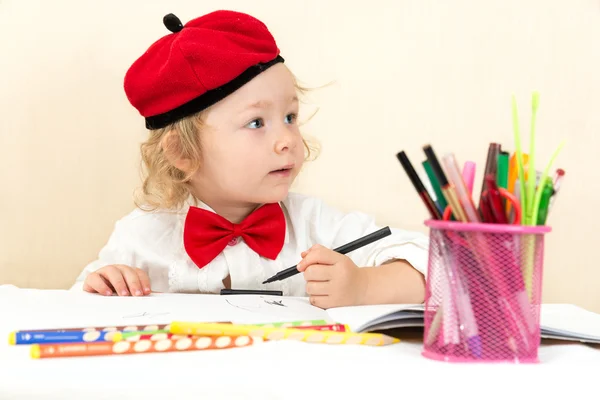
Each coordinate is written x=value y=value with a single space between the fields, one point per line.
x=379 y=317
x=558 y=321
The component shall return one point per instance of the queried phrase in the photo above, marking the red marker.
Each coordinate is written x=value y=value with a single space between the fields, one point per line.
x=496 y=205
x=560 y=173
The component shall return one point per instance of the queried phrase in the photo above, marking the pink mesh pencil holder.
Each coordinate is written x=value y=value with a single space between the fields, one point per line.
x=483 y=294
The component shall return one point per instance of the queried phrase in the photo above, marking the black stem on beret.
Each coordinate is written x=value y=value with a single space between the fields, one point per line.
x=210 y=97
x=172 y=23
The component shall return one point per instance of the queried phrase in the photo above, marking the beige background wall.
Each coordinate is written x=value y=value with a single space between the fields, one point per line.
x=405 y=73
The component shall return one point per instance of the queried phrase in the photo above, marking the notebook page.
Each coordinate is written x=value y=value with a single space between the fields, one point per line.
x=361 y=318
x=570 y=321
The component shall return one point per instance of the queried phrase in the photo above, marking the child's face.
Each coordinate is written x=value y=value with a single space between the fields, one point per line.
x=252 y=149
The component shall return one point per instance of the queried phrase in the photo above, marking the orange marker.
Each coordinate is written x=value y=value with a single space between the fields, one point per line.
x=513 y=175
x=142 y=346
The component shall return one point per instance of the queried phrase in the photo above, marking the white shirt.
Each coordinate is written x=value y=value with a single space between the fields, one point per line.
x=153 y=241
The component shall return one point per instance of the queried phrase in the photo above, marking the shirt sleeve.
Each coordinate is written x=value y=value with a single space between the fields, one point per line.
x=117 y=250
x=333 y=228
x=148 y=241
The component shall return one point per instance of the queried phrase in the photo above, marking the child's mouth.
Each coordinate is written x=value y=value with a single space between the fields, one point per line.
x=285 y=171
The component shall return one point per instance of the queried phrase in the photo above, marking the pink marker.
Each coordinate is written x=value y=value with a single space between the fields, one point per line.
x=468 y=174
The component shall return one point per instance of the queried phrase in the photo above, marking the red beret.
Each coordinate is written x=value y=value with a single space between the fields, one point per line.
x=198 y=65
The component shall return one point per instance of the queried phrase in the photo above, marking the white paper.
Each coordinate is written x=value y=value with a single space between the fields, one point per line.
x=50 y=309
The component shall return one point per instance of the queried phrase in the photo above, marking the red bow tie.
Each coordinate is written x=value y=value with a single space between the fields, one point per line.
x=206 y=234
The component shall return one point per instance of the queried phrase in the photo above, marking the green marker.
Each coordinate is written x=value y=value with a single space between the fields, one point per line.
x=538 y=193
x=441 y=200
x=502 y=170
x=530 y=187
x=291 y=324
x=129 y=334
x=547 y=193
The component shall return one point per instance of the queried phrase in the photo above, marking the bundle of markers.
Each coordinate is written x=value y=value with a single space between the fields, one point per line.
x=513 y=191
x=485 y=260
x=183 y=336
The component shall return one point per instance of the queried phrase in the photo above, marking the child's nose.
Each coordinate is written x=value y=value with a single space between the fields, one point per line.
x=285 y=139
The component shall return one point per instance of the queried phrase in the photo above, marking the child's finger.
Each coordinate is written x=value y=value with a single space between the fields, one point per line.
x=305 y=252
x=132 y=280
x=320 y=301
x=318 y=272
x=144 y=280
x=115 y=277
x=316 y=288
x=95 y=284
x=319 y=255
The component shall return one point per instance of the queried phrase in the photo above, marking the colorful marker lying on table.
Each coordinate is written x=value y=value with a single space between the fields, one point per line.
x=60 y=337
x=358 y=243
x=303 y=335
x=152 y=327
x=142 y=346
x=136 y=336
x=294 y=324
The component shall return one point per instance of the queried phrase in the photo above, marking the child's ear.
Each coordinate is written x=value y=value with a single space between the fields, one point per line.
x=171 y=146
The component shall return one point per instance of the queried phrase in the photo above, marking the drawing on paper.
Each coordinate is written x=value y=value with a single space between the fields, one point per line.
x=275 y=303
x=269 y=309
x=254 y=304
x=146 y=314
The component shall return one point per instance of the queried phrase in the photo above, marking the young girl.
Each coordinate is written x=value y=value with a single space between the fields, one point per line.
x=223 y=151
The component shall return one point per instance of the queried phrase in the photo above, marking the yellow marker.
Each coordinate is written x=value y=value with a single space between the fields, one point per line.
x=35 y=351
x=303 y=335
x=513 y=174
x=117 y=337
x=12 y=338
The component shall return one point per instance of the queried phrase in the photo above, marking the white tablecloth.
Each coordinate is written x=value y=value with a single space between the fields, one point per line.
x=294 y=370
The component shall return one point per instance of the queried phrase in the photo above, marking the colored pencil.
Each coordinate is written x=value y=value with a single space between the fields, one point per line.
x=160 y=335
x=304 y=335
x=143 y=346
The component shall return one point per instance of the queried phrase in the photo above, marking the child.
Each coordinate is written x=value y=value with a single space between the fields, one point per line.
x=223 y=151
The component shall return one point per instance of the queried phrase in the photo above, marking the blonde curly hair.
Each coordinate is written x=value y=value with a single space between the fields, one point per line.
x=163 y=185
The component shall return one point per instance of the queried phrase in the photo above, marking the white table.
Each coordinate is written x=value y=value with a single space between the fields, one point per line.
x=284 y=369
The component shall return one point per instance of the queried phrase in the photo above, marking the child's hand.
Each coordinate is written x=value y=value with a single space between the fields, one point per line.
x=332 y=279
x=119 y=279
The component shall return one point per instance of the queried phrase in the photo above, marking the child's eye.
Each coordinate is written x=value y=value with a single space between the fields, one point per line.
x=291 y=118
x=256 y=124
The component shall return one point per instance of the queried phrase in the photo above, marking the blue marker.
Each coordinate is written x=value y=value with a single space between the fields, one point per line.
x=41 y=337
